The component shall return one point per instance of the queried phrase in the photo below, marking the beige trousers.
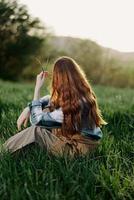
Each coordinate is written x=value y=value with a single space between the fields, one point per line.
x=57 y=145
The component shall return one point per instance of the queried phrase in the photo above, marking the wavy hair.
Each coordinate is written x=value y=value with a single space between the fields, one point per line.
x=69 y=85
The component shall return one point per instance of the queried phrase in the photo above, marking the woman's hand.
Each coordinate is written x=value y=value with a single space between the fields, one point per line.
x=39 y=83
x=23 y=118
x=40 y=79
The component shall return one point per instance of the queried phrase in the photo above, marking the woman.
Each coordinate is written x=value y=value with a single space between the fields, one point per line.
x=66 y=122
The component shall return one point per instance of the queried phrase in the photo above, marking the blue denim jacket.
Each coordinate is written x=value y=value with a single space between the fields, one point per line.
x=54 y=119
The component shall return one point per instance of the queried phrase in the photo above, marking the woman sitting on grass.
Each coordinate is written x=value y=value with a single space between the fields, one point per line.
x=68 y=120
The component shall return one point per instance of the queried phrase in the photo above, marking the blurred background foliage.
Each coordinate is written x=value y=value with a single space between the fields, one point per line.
x=24 y=38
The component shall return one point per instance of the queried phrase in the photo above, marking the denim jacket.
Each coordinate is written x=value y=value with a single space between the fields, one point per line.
x=54 y=119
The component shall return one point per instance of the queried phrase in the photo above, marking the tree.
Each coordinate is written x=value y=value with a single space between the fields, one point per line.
x=20 y=38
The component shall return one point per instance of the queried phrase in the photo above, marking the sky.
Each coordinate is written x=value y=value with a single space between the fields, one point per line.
x=110 y=23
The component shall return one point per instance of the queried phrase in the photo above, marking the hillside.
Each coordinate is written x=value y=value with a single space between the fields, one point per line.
x=65 y=43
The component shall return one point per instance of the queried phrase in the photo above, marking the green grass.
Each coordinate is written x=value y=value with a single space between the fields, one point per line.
x=107 y=173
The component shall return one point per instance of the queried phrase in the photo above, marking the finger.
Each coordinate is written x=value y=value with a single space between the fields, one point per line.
x=19 y=126
x=25 y=122
x=19 y=123
x=46 y=73
x=41 y=73
x=43 y=76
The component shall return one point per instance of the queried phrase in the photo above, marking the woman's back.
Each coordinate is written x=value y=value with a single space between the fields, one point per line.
x=55 y=118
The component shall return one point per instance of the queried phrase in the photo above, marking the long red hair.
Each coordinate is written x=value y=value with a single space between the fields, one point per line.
x=69 y=85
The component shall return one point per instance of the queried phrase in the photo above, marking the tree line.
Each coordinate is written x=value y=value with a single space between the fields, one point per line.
x=24 y=38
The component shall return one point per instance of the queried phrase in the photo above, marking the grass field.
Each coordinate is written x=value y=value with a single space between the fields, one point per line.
x=107 y=173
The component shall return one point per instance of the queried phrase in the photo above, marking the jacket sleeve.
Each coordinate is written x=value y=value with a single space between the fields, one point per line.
x=52 y=119
x=45 y=100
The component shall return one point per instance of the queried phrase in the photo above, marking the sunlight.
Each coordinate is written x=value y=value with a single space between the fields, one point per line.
x=108 y=22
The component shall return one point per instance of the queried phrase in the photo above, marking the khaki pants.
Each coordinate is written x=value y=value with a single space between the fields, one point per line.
x=57 y=145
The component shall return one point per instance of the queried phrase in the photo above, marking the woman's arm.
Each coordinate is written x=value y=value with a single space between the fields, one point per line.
x=37 y=116
x=24 y=116
x=45 y=100
x=47 y=119
x=39 y=83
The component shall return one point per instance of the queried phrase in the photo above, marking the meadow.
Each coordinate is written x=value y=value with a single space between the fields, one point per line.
x=105 y=174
